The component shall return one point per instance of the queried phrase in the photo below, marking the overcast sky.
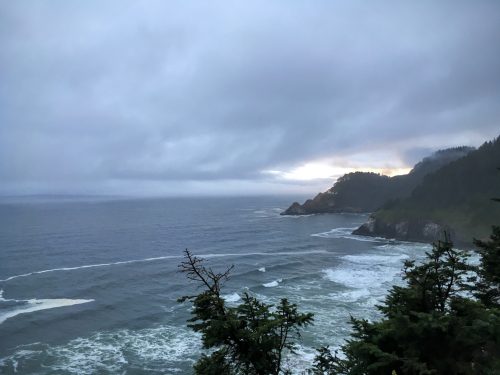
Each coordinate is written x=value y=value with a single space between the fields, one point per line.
x=233 y=97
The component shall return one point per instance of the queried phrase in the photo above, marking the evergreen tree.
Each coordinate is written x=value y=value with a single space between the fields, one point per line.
x=487 y=289
x=429 y=326
x=251 y=338
x=488 y=286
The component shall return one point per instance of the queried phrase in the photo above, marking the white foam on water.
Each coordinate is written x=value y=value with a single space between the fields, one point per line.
x=270 y=300
x=301 y=361
x=233 y=297
x=367 y=270
x=352 y=295
x=347 y=233
x=357 y=278
x=358 y=237
x=153 y=350
x=361 y=281
x=2 y=299
x=377 y=259
x=12 y=361
x=272 y=284
x=262 y=269
x=33 y=305
x=405 y=246
x=206 y=256
x=367 y=277
x=296 y=216
x=267 y=212
x=334 y=233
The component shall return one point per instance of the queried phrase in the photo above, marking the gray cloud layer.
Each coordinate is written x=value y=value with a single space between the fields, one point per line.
x=173 y=97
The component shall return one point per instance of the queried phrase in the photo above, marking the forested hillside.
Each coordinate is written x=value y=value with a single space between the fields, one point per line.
x=366 y=191
x=455 y=197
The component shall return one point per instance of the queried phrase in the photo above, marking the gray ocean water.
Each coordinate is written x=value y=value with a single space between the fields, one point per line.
x=90 y=286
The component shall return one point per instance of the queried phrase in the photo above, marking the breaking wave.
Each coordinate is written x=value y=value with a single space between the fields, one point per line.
x=347 y=233
x=31 y=305
x=272 y=284
x=165 y=348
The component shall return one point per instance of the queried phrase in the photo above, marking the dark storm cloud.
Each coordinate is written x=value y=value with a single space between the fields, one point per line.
x=114 y=96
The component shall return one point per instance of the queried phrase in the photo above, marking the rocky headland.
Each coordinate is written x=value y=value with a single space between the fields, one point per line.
x=449 y=191
x=359 y=192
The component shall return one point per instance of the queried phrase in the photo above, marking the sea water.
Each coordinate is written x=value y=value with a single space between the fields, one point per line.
x=91 y=285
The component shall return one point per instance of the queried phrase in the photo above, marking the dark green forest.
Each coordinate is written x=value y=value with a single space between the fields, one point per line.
x=456 y=196
x=368 y=191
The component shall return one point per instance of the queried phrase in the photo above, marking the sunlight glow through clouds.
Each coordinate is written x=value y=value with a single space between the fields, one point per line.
x=319 y=170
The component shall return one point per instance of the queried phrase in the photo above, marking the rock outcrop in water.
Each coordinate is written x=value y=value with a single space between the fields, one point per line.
x=366 y=191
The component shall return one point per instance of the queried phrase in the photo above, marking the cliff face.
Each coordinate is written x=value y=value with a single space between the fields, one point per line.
x=366 y=192
x=405 y=230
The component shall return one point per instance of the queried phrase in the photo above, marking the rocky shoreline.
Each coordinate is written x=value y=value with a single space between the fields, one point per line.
x=450 y=191
x=405 y=230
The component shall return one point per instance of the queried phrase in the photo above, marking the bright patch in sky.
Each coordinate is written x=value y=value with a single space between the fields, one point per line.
x=317 y=170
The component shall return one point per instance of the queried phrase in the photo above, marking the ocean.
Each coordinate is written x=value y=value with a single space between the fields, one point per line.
x=90 y=286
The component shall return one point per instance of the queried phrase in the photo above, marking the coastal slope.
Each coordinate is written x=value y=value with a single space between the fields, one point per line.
x=366 y=191
x=455 y=198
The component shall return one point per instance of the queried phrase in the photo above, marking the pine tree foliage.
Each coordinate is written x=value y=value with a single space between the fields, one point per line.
x=251 y=338
x=488 y=285
x=429 y=326
x=487 y=289
x=455 y=196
